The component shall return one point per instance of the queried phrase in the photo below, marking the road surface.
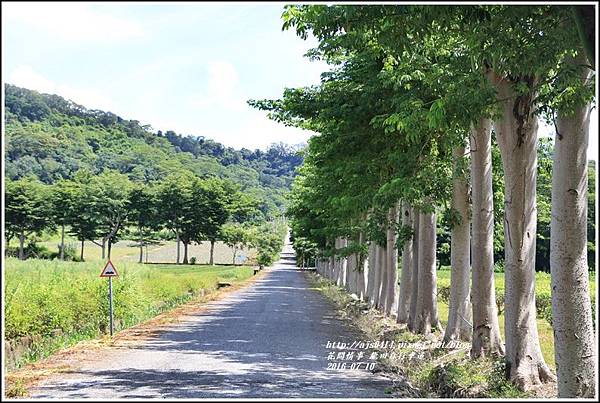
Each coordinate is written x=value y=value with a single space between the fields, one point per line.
x=266 y=340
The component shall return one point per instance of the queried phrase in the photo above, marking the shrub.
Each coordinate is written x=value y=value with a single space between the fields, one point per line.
x=264 y=258
x=444 y=294
x=499 y=266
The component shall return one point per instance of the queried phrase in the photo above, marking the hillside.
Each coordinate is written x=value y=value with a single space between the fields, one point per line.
x=52 y=138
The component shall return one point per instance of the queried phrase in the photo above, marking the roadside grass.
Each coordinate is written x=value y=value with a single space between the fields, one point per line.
x=50 y=305
x=440 y=372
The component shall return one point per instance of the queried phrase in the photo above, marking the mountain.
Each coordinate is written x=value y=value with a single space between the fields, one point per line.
x=52 y=138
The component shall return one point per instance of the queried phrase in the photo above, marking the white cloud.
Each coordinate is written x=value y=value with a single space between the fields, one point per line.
x=25 y=76
x=71 y=22
x=258 y=131
x=222 y=88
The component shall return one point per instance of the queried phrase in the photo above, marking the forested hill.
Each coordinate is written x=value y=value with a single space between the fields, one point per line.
x=52 y=138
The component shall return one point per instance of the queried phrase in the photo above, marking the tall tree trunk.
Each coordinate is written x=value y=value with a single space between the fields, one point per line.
x=379 y=273
x=141 y=244
x=82 y=244
x=391 y=262
x=103 y=248
x=414 y=292
x=22 y=245
x=350 y=267
x=178 y=242
x=344 y=266
x=331 y=268
x=486 y=329
x=185 y=252
x=459 y=325
x=109 y=247
x=517 y=138
x=234 y=253
x=62 y=241
x=372 y=259
x=427 y=316
x=404 y=294
x=361 y=280
x=347 y=275
x=574 y=346
x=338 y=264
x=361 y=266
x=212 y=252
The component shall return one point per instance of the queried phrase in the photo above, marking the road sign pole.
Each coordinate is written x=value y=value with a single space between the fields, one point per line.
x=110 y=304
x=110 y=271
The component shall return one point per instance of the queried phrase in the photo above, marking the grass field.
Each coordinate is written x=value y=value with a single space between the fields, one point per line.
x=52 y=304
x=165 y=252
x=542 y=289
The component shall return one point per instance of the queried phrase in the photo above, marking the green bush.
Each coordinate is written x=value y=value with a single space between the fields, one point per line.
x=264 y=258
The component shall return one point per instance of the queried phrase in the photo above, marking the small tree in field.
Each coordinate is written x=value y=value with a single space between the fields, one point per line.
x=27 y=210
x=236 y=236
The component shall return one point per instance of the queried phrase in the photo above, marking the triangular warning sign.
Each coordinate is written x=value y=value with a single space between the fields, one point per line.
x=109 y=270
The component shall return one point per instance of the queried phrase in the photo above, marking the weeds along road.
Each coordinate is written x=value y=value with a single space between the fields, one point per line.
x=266 y=340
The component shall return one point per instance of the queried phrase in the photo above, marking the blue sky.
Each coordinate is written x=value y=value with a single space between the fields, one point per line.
x=187 y=67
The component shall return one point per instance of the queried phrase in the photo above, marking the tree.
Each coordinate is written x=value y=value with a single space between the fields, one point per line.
x=236 y=236
x=213 y=202
x=175 y=196
x=63 y=200
x=486 y=340
x=427 y=316
x=28 y=210
x=575 y=349
x=83 y=221
x=112 y=205
x=459 y=317
x=143 y=212
x=405 y=292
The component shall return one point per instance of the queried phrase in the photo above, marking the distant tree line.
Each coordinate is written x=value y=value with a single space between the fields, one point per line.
x=26 y=105
x=98 y=208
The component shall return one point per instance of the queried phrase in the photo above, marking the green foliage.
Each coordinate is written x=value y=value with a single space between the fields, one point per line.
x=236 y=236
x=405 y=85
x=264 y=258
x=268 y=240
x=28 y=210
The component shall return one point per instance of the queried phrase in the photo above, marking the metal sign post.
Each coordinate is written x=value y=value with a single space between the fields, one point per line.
x=110 y=271
x=110 y=305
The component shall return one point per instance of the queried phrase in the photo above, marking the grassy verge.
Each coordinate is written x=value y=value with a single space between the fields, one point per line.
x=50 y=305
x=543 y=306
x=433 y=372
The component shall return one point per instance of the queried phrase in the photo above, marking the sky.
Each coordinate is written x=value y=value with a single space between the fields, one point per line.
x=186 y=67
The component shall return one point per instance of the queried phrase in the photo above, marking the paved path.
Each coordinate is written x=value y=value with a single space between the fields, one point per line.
x=267 y=340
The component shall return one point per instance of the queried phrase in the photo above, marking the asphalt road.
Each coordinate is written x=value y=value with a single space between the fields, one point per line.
x=267 y=340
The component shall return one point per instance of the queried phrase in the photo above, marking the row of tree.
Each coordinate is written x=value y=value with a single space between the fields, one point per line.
x=98 y=207
x=405 y=121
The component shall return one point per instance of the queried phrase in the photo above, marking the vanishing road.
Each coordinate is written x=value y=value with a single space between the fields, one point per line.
x=266 y=340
